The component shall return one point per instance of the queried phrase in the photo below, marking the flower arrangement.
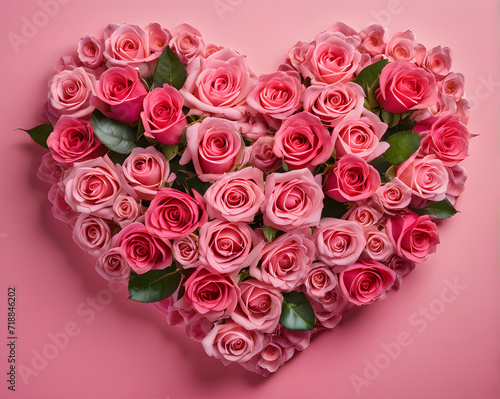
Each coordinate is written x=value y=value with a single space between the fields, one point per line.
x=254 y=210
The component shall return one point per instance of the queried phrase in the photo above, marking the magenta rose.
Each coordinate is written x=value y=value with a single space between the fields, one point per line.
x=403 y=47
x=162 y=117
x=187 y=42
x=293 y=200
x=211 y=294
x=366 y=281
x=351 y=180
x=174 y=214
x=73 y=140
x=414 y=237
x=259 y=306
x=92 y=234
x=378 y=245
x=394 y=195
x=438 y=61
x=406 y=87
x=126 y=210
x=112 y=266
x=90 y=52
x=185 y=251
x=262 y=155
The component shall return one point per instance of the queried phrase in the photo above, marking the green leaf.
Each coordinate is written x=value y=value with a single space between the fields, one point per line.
x=117 y=136
x=389 y=118
x=403 y=146
x=154 y=285
x=333 y=209
x=442 y=210
x=170 y=151
x=369 y=75
x=40 y=133
x=285 y=166
x=169 y=70
x=296 y=312
x=269 y=233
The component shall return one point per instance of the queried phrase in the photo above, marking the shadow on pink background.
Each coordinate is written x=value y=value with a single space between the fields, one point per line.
x=110 y=347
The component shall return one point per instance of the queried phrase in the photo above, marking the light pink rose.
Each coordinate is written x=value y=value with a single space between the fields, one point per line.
x=319 y=281
x=67 y=62
x=403 y=47
x=90 y=51
x=438 y=61
x=299 y=53
x=350 y=34
x=366 y=281
x=61 y=210
x=158 y=37
x=162 y=117
x=215 y=147
x=360 y=136
x=70 y=93
x=329 y=309
x=332 y=103
x=277 y=350
x=252 y=126
x=452 y=86
x=120 y=93
x=338 y=243
x=92 y=234
x=126 y=210
x=406 y=87
x=378 y=245
x=146 y=170
x=394 y=195
x=231 y=343
x=141 y=250
x=211 y=294
x=368 y=213
x=185 y=251
x=259 y=306
x=227 y=247
x=237 y=196
x=187 y=42
x=414 y=237
x=299 y=340
x=173 y=315
x=456 y=184
x=285 y=262
x=463 y=110
x=112 y=266
x=211 y=49
x=402 y=267
x=73 y=140
x=262 y=155
x=174 y=214
x=50 y=170
x=293 y=200
x=351 y=180
x=373 y=40
x=219 y=84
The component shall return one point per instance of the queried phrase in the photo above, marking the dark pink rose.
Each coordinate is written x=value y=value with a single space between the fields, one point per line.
x=186 y=42
x=403 y=47
x=185 y=251
x=92 y=234
x=112 y=266
x=438 y=61
x=394 y=195
x=262 y=155
x=90 y=51
x=373 y=40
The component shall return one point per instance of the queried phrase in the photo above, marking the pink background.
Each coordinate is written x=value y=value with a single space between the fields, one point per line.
x=122 y=349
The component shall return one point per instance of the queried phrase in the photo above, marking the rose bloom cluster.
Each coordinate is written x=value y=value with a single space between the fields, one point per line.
x=271 y=150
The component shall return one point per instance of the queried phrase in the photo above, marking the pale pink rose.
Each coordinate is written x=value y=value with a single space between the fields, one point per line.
x=158 y=37
x=70 y=93
x=360 y=136
x=319 y=281
x=332 y=103
x=146 y=170
x=219 y=84
x=185 y=251
x=293 y=200
x=351 y=180
x=285 y=262
x=402 y=267
x=406 y=87
x=366 y=281
x=443 y=105
x=452 y=86
x=141 y=250
x=438 y=61
x=329 y=309
x=50 y=170
x=262 y=155
x=215 y=147
x=299 y=340
x=73 y=140
x=237 y=196
x=299 y=53
x=252 y=126
x=259 y=306
x=227 y=247
x=303 y=141
x=378 y=245
x=186 y=42
x=463 y=110
x=365 y=214
x=162 y=117
x=350 y=34
x=126 y=210
x=403 y=47
x=394 y=195
x=174 y=214
x=338 y=243
x=92 y=234
x=60 y=208
x=211 y=49
x=120 y=93
x=173 y=315
x=211 y=294
x=427 y=177
x=67 y=62
x=90 y=51
x=277 y=350
x=414 y=237
x=456 y=184
x=112 y=266
x=444 y=137
x=197 y=329
x=373 y=40
x=231 y=343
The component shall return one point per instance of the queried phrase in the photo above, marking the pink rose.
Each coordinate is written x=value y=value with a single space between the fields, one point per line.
x=73 y=141
x=186 y=42
x=332 y=103
x=252 y=126
x=231 y=343
x=50 y=170
x=365 y=214
x=277 y=350
x=452 y=86
x=237 y=196
x=92 y=234
x=185 y=251
x=146 y=170
x=120 y=93
x=141 y=250
x=259 y=306
x=61 y=210
x=227 y=247
x=215 y=147
x=414 y=237
x=329 y=308
x=402 y=267
x=219 y=84
x=174 y=214
x=90 y=51
x=303 y=141
x=373 y=40
x=338 y=243
x=406 y=87
x=403 y=47
x=293 y=200
x=438 y=61
x=299 y=53
x=262 y=155
x=352 y=180
x=211 y=294
x=162 y=117
x=158 y=37
x=456 y=184
x=350 y=34
x=211 y=49
x=366 y=281
x=112 y=266
x=378 y=245
x=394 y=195
x=126 y=209
x=463 y=110
x=285 y=262
x=300 y=340
x=319 y=281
